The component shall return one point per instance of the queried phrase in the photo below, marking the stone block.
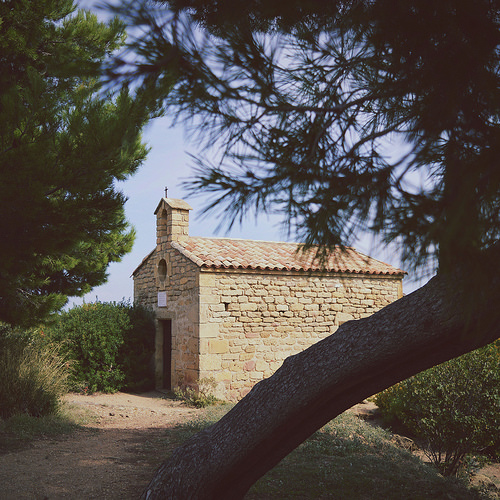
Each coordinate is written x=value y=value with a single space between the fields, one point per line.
x=206 y=280
x=209 y=330
x=210 y=362
x=243 y=392
x=223 y=376
x=246 y=356
x=217 y=346
x=343 y=317
x=248 y=306
x=249 y=365
x=209 y=297
x=261 y=365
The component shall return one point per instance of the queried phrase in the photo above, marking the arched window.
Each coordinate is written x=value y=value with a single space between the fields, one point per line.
x=162 y=270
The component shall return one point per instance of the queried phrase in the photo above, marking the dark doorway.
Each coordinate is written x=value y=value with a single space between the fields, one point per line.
x=167 y=353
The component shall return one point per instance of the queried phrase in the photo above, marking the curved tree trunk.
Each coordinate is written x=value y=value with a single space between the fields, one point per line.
x=425 y=328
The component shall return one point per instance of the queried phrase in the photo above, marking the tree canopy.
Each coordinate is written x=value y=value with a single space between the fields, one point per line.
x=63 y=145
x=344 y=115
x=347 y=115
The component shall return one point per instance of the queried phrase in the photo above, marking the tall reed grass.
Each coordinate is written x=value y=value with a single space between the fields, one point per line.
x=33 y=377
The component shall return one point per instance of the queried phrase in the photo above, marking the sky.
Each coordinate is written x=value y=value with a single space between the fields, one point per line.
x=168 y=165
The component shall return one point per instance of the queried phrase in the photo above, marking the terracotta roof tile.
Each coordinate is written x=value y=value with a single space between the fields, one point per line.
x=249 y=254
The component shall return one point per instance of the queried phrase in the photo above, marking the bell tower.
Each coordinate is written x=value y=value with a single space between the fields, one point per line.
x=172 y=221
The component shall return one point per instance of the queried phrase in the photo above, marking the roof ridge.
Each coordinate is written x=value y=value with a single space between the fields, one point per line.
x=241 y=239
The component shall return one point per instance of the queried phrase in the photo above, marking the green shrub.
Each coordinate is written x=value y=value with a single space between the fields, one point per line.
x=136 y=355
x=91 y=336
x=453 y=407
x=33 y=376
x=111 y=346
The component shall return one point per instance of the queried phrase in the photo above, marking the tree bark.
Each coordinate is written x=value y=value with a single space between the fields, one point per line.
x=436 y=323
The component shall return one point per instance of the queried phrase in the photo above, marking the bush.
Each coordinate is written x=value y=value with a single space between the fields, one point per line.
x=33 y=376
x=136 y=355
x=452 y=407
x=111 y=346
x=91 y=336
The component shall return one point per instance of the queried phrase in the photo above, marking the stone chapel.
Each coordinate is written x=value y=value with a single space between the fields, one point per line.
x=231 y=310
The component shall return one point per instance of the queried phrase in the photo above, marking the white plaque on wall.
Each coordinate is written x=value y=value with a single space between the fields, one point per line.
x=162 y=299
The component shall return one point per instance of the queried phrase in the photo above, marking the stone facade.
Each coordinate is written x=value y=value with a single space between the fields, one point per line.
x=234 y=319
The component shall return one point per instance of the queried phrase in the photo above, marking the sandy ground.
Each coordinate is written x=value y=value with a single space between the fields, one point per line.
x=115 y=455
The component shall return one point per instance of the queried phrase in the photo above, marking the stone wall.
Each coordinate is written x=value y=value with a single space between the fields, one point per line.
x=182 y=308
x=145 y=290
x=251 y=322
x=167 y=282
x=180 y=286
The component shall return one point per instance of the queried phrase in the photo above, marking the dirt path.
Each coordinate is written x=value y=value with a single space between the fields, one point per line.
x=114 y=457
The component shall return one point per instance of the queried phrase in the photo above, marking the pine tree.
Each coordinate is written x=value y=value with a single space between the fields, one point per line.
x=344 y=116
x=64 y=143
x=304 y=100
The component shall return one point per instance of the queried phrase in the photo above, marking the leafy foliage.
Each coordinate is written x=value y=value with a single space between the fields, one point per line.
x=136 y=355
x=63 y=145
x=452 y=407
x=91 y=336
x=33 y=376
x=110 y=345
